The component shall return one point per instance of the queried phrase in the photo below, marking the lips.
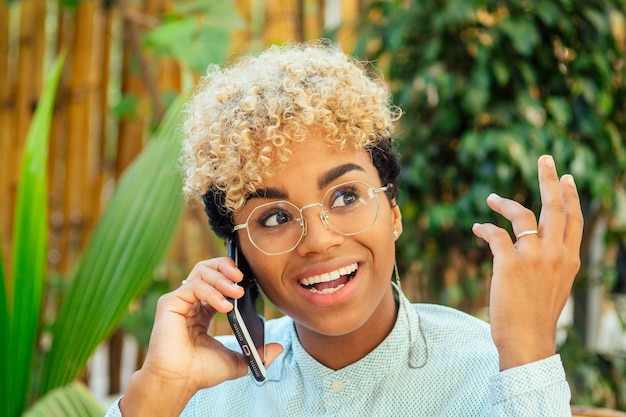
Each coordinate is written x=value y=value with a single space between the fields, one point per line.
x=329 y=282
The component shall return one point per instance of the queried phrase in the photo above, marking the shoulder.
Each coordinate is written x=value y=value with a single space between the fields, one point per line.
x=442 y=316
x=453 y=329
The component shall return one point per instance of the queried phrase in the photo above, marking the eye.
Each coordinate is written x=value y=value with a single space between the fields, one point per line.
x=345 y=197
x=274 y=217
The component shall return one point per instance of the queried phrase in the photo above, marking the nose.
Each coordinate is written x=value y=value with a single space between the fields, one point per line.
x=318 y=237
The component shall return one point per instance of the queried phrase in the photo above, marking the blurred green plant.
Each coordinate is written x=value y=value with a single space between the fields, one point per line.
x=595 y=378
x=40 y=361
x=487 y=87
x=21 y=290
x=73 y=399
x=196 y=33
x=129 y=242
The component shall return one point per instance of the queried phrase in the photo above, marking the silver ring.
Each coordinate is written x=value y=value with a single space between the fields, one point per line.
x=183 y=282
x=526 y=233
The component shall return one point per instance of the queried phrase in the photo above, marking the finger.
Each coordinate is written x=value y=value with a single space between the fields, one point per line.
x=225 y=266
x=552 y=217
x=520 y=217
x=574 y=221
x=230 y=365
x=199 y=292
x=238 y=366
x=222 y=276
x=498 y=239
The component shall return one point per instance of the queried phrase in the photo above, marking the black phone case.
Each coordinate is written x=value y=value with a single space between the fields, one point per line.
x=247 y=325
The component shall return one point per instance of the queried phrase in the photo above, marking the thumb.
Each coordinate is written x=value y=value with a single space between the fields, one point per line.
x=272 y=351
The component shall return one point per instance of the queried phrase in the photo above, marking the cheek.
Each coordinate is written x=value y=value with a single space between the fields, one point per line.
x=385 y=242
x=266 y=269
x=386 y=225
x=386 y=254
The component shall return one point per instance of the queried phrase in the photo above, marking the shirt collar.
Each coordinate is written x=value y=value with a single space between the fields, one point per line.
x=405 y=347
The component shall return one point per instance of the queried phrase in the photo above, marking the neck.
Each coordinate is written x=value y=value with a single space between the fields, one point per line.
x=338 y=351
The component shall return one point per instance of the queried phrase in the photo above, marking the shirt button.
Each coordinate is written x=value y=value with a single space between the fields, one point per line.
x=337 y=385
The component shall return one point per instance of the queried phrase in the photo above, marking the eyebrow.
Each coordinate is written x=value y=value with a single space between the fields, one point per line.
x=334 y=173
x=326 y=178
x=267 y=193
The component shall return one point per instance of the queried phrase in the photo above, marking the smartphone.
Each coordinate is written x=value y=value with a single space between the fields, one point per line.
x=248 y=326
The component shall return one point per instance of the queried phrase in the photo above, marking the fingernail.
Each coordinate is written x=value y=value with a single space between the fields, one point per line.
x=549 y=161
x=569 y=179
x=494 y=197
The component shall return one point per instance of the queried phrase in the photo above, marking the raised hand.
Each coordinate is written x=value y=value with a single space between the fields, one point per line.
x=533 y=276
x=182 y=358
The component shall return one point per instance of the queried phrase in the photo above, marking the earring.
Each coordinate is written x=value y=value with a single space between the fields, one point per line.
x=415 y=360
x=397 y=275
x=395 y=233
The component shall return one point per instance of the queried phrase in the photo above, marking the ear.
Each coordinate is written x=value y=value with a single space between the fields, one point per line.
x=396 y=218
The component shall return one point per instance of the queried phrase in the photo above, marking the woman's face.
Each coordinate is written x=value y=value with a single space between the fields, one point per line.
x=364 y=262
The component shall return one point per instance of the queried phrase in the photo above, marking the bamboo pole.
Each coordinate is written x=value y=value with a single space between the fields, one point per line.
x=106 y=75
x=98 y=82
x=30 y=64
x=312 y=12
x=132 y=126
x=79 y=154
x=241 y=38
x=58 y=143
x=350 y=12
x=281 y=18
x=168 y=77
x=7 y=94
x=20 y=95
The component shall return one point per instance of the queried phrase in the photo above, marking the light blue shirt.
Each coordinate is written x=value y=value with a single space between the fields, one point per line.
x=437 y=361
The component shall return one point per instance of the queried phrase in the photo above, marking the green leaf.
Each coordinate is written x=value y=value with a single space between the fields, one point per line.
x=127 y=107
x=4 y=324
x=523 y=34
x=129 y=242
x=598 y=19
x=73 y=400
x=559 y=109
x=199 y=35
x=501 y=71
x=546 y=11
x=24 y=289
x=478 y=92
x=166 y=37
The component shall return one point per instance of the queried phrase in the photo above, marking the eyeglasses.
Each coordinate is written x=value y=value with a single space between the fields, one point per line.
x=277 y=227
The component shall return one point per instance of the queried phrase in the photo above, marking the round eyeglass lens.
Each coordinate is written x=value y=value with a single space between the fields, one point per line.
x=350 y=208
x=275 y=227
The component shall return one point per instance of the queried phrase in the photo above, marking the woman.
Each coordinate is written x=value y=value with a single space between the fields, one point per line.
x=291 y=152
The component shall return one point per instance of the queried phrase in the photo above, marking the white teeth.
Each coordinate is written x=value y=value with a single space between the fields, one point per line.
x=327 y=290
x=329 y=276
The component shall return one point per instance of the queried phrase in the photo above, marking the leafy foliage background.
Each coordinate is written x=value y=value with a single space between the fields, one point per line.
x=487 y=87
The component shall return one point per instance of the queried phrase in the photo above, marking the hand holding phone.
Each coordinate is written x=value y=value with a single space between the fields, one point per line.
x=247 y=325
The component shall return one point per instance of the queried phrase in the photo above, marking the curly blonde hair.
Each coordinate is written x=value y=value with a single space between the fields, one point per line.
x=242 y=118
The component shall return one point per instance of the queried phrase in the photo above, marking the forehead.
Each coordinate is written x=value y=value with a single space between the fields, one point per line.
x=316 y=163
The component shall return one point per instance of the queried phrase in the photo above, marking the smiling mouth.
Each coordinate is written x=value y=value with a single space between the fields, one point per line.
x=330 y=282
